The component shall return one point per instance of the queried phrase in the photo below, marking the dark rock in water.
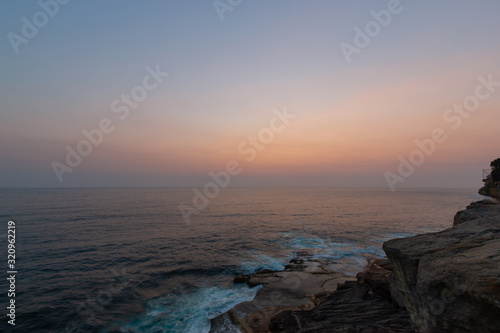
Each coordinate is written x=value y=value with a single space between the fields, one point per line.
x=295 y=267
x=240 y=279
x=450 y=281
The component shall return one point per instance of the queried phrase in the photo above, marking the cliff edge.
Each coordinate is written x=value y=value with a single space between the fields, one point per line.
x=447 y=281
x=450 y=280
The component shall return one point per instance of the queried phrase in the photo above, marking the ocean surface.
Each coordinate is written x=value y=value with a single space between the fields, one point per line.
x=124 y=260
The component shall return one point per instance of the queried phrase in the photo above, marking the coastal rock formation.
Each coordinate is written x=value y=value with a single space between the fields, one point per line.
x=447 y=281
x=490 y=190
x=297 y=287
x=450 y=281
x=364 y=306
x=482 y=209
x=309 y=297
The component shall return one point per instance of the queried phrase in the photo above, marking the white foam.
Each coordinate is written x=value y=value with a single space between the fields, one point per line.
x=348 y=258
x=258 y=260
x=189 y=313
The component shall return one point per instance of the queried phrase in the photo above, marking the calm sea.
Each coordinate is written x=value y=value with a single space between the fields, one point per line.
x=124 y=260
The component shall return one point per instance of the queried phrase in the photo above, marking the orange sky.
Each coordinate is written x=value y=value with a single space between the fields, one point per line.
x=353 y=120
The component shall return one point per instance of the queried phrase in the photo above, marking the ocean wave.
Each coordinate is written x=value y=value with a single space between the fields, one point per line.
x=257 y=261
x=189 y=313
x=347 y=257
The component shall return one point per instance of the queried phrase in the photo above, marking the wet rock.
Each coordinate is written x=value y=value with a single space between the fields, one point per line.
x=240 y=279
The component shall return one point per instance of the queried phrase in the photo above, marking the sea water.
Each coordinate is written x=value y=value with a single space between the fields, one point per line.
x=124 y=260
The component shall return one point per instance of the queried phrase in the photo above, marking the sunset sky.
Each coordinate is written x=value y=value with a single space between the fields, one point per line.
x=352 y=120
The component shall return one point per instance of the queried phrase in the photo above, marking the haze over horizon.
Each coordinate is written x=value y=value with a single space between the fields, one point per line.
x=229 y=80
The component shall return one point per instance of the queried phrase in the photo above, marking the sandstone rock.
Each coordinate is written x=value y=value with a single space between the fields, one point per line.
x=301 y=286
x=352 y=308
x=450 y=281
x=490 y=189
x=377 y=275
x=476 y=210
x=308 y=297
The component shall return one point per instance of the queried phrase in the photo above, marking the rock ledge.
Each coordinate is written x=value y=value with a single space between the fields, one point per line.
x=450 y=280
x=309 y=297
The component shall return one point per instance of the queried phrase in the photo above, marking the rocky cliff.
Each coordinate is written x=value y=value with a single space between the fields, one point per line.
x=490 y=189
x=447 y=281
x=450 y=281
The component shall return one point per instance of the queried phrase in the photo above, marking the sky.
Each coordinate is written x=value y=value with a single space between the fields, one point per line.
x=298 y=93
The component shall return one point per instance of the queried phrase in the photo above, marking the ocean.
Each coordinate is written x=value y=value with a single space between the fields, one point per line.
x=124 y=260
